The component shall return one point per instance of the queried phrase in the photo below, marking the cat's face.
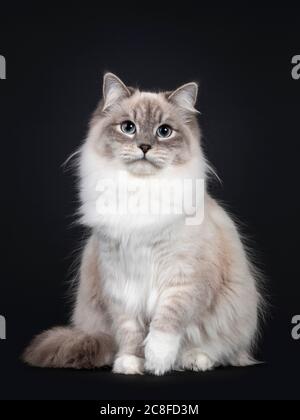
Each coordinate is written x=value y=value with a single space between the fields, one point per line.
x=144 y=132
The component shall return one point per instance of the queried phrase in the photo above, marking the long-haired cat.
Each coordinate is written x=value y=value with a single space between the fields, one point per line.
x=155 y=293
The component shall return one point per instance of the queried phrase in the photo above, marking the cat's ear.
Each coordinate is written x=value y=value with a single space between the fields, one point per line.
x=185 y=96
x=113 y=90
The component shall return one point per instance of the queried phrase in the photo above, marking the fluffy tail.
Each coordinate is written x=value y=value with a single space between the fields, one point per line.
x=67 y=347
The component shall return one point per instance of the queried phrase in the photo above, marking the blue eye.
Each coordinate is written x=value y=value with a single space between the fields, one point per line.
x=164 y=131
x=128 y=127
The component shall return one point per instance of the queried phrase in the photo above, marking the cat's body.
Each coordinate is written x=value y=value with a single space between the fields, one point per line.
x=155 y=292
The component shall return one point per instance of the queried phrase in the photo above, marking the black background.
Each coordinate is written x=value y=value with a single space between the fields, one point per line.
x=241 y=55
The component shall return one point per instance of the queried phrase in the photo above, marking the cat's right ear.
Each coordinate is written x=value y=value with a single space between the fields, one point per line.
x=113 y=90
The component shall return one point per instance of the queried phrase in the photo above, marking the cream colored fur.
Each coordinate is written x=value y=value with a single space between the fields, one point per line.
x=168 y=295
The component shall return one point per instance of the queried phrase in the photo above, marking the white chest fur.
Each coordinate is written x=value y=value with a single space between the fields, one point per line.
x=130 y=270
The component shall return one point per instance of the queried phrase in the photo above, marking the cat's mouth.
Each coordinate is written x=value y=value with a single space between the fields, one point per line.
x=143 y=165
x=145 y=160
x=151 y=161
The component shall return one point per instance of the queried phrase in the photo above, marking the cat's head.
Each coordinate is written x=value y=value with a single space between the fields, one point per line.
x=143 y=132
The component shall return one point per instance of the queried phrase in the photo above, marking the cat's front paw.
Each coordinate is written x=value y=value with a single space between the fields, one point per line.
x=196 y=360
x=128 y=364
x=161 y=351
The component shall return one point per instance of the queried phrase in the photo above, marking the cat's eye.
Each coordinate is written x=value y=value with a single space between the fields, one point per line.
x=128 y=127
x=164 y=131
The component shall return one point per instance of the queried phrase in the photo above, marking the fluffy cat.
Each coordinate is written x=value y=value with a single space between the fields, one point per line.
x=155 y=293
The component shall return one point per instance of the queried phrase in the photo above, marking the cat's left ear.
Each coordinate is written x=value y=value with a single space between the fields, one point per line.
x=113 y=90
x=185 y=96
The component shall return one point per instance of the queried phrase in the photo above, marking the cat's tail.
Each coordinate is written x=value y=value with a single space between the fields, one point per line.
x=68 y=347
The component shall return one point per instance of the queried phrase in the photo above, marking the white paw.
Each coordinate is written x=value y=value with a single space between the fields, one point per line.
x=161 y=351
x=196 y=360
x=128 y=364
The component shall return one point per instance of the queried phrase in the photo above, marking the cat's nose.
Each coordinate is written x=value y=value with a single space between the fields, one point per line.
x=145 y=147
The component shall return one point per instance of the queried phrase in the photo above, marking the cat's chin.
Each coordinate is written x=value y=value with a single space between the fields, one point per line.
x=142 y=167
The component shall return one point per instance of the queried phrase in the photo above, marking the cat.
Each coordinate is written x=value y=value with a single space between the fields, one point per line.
x=155 y=293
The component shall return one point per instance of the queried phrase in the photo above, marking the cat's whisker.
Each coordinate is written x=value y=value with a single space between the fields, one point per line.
x=70 y=158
